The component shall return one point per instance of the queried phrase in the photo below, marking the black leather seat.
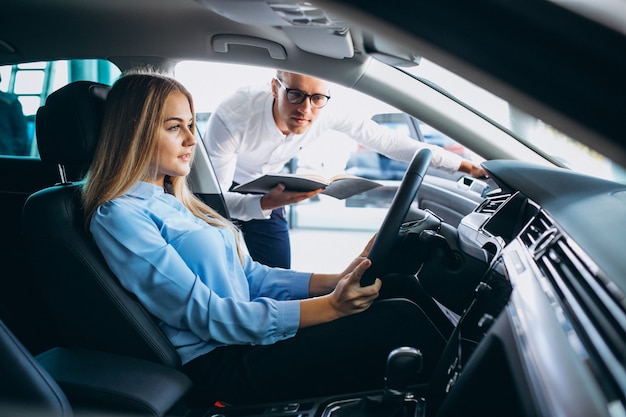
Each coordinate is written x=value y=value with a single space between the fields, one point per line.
x=92 y=307
x=25 y=386
x=63 y=382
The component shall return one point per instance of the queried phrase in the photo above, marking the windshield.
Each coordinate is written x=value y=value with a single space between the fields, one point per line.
x=555 y=145
x=562 y=149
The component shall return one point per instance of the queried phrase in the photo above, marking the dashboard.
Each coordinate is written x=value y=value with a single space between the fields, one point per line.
x=546 y=334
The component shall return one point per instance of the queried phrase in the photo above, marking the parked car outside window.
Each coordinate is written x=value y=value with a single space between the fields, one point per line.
x=366 y=163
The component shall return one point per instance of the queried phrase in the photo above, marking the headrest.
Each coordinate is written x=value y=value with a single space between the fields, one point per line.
x=68 y=124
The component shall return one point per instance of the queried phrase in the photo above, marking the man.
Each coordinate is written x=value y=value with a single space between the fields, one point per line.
x=256 y=131
x=13 y=129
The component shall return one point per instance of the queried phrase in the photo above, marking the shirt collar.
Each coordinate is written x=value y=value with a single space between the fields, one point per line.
x=268 y=114
x=145 y=190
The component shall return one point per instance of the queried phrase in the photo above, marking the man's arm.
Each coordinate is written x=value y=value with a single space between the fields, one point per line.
x=401 y=147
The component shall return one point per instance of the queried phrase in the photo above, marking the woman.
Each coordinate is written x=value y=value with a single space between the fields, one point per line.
x=245 y=332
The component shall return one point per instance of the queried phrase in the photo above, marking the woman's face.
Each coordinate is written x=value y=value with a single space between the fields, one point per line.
x=175 y=140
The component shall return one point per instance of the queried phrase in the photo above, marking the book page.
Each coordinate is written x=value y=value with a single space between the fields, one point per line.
x=342 y=188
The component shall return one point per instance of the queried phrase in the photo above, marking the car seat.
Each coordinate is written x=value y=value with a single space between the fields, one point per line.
x=93 y=309
x=25 y=386
x=63 y=382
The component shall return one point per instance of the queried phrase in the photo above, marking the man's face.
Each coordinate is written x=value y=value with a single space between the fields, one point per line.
x=296 y=118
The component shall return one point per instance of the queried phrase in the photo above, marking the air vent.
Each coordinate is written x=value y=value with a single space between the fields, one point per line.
x=539 y=234
x=591 y=310
x=493 y=202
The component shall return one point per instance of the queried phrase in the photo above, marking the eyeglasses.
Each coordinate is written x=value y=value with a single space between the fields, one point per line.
x=295 y=96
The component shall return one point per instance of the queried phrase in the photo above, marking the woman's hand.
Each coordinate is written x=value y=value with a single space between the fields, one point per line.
x=347 y=298
x=321 y=284
x=356 y=261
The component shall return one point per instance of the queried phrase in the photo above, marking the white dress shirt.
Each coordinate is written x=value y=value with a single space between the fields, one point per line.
x=243 y=142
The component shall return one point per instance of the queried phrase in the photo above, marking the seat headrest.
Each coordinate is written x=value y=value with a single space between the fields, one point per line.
x=68 y=125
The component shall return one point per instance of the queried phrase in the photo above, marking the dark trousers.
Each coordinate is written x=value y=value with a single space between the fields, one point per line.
x=268 y=239
x=343 y=356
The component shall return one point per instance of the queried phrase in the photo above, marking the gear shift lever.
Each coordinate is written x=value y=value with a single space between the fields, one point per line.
x=403 y=366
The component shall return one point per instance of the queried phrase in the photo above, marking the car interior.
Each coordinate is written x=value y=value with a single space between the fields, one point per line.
x=523 y=270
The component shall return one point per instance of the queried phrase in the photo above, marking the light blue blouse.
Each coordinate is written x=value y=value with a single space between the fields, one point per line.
x=187 y=274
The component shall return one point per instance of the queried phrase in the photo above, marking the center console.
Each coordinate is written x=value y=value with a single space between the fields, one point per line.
x=399 y=397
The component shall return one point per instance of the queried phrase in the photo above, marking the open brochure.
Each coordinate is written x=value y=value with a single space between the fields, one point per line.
x=340 y=186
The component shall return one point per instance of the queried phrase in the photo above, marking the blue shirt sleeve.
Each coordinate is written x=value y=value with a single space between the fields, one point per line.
x=188 y=275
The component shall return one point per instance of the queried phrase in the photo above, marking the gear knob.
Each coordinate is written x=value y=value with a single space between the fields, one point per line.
x=403 y=366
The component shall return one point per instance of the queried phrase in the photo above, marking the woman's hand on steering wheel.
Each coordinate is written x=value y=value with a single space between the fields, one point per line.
x=360 y=257
x=349 y=297
x=387 y=235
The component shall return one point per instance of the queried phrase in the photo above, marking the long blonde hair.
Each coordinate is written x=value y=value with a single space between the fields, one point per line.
x=134 y=111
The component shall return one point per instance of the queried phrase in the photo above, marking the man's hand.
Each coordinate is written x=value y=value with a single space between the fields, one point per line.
x=472 y=169
x=278 y=197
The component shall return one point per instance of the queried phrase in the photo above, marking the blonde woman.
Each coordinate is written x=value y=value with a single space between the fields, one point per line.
x=245 y=332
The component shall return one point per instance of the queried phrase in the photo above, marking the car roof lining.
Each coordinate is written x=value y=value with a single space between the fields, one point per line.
x=106 y=25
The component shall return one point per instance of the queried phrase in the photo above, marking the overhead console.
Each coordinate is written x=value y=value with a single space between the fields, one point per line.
x=309 y=27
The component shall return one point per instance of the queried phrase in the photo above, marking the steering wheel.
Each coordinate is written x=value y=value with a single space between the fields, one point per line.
x=389 y=230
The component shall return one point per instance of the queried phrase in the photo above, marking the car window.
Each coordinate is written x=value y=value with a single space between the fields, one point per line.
x=24 y=88
x=210 y=83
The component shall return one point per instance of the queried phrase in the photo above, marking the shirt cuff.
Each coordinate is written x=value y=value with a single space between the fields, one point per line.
x=300 y=284
x=449 y=161
x=289 y=317
x=253 y=206
x=250 y=208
